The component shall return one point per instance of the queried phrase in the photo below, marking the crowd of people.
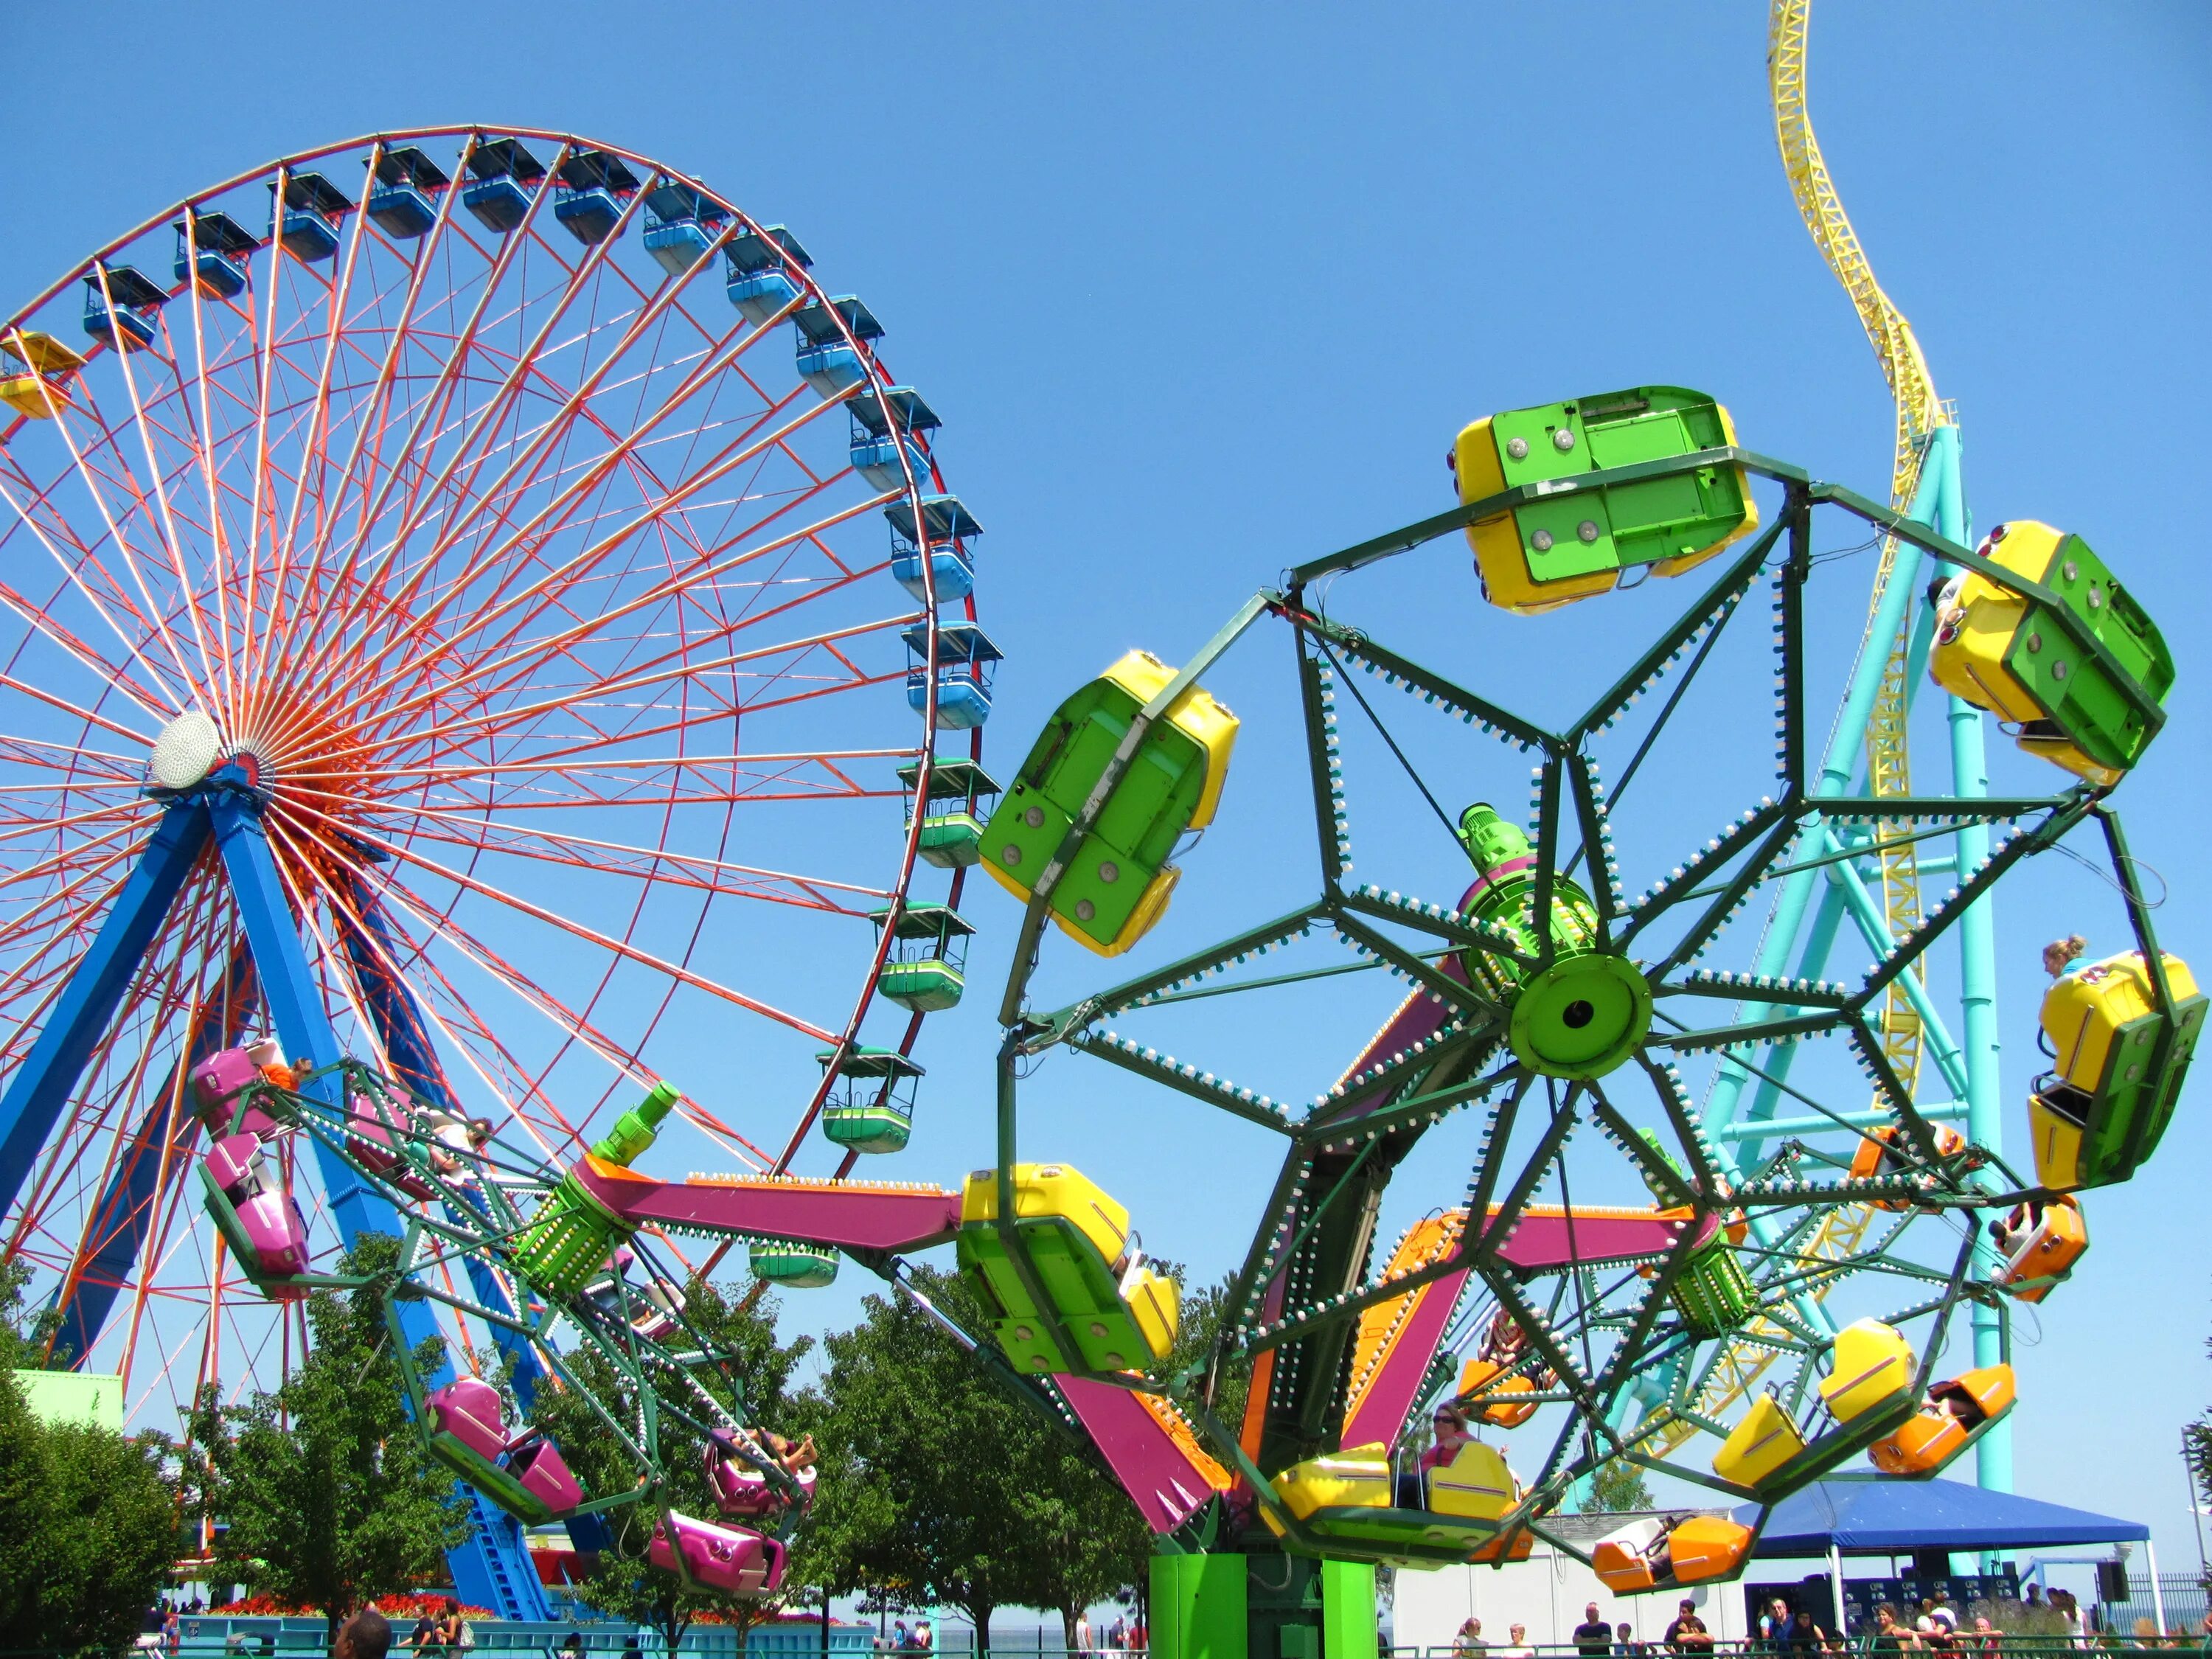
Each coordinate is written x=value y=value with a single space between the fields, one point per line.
x=1934 y=1627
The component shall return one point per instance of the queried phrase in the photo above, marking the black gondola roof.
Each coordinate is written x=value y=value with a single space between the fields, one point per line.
x=955 y=642
x=126 y=287
x=751 y=250
x=409 y=166
x=924 y=922
x=951 y=779
x=219 y=233
x=907 y=409
x=816 y=323
x=673 y=199
x=315 y=193
x=505 y=158
x=859 y=1062
x=596 y=169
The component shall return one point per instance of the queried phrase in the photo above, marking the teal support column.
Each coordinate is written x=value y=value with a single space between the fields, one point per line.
x=1977 y=957
x=1835 y=776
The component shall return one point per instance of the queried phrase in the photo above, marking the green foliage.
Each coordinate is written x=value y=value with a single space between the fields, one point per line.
x=1202 y=1314
x=88 y=1519
x=330 y=1497
x=941 y=1489
x=1617 y=1486
x=752 y=1380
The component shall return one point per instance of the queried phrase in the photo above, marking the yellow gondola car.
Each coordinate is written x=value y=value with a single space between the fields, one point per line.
x=2117 y=1068
x=2005 y=653
x=1476 y=1484
x=1573 y=541
x=35 y=371
x=1957 y=1414
x=1117 y=882
x=1120 y=1312
x=1357 y=1478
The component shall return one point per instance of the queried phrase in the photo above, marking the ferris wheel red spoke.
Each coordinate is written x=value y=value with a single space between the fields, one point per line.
x=590 y=935
x=682 y=870
x=457 y=584
x=148 y=694
x=568 y=1136
x=603 y=548
x=172 y=542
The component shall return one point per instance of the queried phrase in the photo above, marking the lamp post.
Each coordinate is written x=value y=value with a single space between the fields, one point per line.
x=2196 y=1511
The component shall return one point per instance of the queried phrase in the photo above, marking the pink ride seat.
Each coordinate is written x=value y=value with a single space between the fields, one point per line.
x=217 y=1080
x=727 y=1559
x=536 y=1462
x=232 y=1162
x=741 y=1489
x=273 y=1220
x=469 y=1411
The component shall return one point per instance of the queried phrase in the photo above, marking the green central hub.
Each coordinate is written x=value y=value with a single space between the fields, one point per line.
x=1581 y=1017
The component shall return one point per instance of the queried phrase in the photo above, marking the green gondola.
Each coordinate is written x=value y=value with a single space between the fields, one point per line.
x=929 y=949
x=870 y=1106
x=961 y=796
x=792 y=1265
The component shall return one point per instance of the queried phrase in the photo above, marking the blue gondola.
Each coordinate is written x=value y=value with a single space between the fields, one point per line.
x=964 y=670
x=829 y=355
x=503 y=180
x=217 y=247
x=763 y=266
x=681 y=223
x=403 y=200
x=131 y=320
x=595 y=187
x=876 y=445
x=947 y=526
x=306 y=220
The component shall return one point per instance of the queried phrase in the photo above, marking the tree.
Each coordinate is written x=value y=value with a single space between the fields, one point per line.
x=1617 y=1486
x=87 y=1518
x=750 y=1374
x=1203 y=1312
x=330 y=1497
x=949 y=1490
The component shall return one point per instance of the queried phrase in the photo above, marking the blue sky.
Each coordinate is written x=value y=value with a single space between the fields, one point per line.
x=1202 y=292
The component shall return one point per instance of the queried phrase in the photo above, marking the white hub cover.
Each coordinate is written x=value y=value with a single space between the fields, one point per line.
x=186 y=750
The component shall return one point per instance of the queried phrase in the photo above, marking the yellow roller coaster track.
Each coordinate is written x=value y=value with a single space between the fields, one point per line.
x=1889 y=769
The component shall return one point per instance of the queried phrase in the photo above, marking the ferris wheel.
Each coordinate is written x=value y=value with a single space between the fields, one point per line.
x=478 y=604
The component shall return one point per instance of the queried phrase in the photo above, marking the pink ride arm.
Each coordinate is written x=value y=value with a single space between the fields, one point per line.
x=852 y=1215
x=1379 y=1414
x=1149 y=1448
x=1543 y=1240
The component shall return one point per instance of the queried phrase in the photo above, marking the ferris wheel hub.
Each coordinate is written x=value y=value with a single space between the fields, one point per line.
x=186 y=751
x=1582 y=1017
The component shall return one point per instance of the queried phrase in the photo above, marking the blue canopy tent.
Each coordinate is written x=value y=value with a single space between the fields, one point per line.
x=1899 y=1517
x=1836 y=1518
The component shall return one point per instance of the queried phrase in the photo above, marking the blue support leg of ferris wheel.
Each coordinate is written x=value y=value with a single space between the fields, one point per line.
x=126 y=1212
x=492 y=1569
x=43 y=1084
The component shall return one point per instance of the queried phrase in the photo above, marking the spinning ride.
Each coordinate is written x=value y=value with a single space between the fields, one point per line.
x=1630 y=1274
x=475 y=603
